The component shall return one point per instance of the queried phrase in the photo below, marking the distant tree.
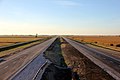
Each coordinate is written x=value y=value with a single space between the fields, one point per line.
x=118 y=45
x=111 y=45
x=30 y=35
x=82 y=40
x=36 y=35
x=95 y=42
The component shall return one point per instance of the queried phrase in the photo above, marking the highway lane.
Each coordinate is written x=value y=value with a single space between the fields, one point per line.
x=108 y=63
x=30 y=70
x=112 y=53
x=16 y=62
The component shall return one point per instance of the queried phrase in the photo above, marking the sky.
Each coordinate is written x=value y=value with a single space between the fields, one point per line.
x=60 y=17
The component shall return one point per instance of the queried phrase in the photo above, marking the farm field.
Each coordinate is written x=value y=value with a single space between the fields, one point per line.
x=111 y=42
x=8 y=40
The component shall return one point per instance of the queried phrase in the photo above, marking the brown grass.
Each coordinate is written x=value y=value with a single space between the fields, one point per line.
x=8 y=40
x=105 y=41
x=20 y=48
x=15 y=50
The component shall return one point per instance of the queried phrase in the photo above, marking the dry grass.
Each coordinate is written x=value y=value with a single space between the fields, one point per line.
x=15 y=50
x=18 y=49
x=8 y=40
x=104 y=41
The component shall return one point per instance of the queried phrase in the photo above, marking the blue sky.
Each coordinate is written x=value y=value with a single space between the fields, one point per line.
x=60 y=17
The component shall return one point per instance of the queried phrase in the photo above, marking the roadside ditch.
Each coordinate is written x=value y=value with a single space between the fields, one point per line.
x=69 y=64
x=58 y=70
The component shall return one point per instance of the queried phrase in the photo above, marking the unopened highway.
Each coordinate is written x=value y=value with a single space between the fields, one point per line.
x=108 y=63
x=25 y=65
x=16 y=62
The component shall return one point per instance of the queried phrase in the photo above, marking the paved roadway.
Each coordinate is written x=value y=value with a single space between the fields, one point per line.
x=16 y=62
x=108 y=63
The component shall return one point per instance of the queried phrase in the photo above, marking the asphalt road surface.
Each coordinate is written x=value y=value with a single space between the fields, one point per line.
x=16 y=62
x=108 y=63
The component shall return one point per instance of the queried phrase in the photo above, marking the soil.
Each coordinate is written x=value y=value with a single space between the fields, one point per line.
x=58 y=70
x=69 y=64
x=81 y=65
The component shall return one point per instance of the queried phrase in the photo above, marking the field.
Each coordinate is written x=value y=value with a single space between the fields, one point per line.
x=8 y=40
x=111 y=42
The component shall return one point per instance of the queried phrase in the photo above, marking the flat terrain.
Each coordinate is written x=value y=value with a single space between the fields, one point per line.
x=100 y=57
x=111 y=42
x=62 y=57
x=15 y=62
x=9 y=40
x=81 y=65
